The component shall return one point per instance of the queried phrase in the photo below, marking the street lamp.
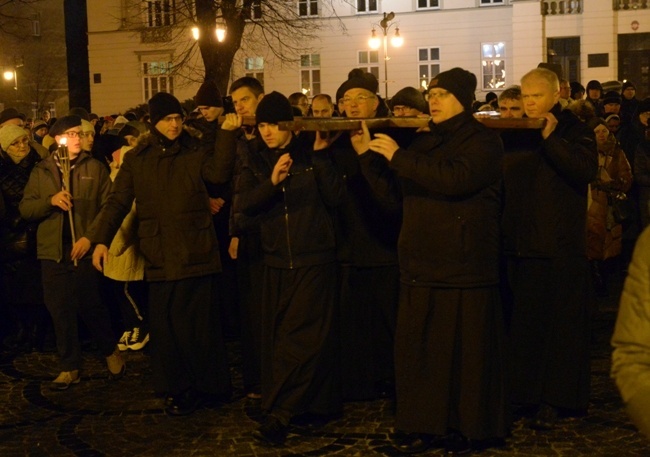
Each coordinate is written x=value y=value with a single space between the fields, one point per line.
x=396 y=41
x=11 y=74
x=219 y=31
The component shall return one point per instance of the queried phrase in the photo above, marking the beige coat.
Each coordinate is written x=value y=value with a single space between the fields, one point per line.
x=125 y=263
x=631 y=339
x=614 y=174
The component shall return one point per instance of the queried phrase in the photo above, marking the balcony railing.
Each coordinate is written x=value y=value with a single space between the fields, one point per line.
x=630 y=5
x=561 y=7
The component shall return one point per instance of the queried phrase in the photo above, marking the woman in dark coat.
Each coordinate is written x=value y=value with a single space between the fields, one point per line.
x=22 y=292
x=449 y=361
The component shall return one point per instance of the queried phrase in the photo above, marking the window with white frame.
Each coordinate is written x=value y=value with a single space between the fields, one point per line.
x=307 y=8
x=160 y=13
x=254 y=67
x=493 y=65
x=492 y=2
x=310 y=74
x=156 y=77
x=366 y=6
x=252 y=9
x=428 y=65
x=428 y=4
x=369 y=61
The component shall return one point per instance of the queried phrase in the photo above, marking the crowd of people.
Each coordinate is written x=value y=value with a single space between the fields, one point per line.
x=451 y=267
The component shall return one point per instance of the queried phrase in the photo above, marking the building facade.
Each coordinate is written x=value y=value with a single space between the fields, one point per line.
x=135 y=46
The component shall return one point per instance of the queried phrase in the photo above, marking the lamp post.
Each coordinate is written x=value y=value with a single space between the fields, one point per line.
x=375 y=43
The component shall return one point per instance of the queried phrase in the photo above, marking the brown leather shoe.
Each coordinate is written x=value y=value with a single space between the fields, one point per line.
x=116 y=365
x=65 y=378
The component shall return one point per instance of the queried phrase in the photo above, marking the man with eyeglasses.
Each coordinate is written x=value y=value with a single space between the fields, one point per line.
x=70 y=284
x=449 y=354
x=166 y=175
x=367 y=252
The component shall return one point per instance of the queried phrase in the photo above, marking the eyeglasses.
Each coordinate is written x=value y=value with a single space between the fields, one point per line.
x=22 y=142
x=400 y=108
x=356 y=100
x=73 y=134
x=438 y=95
x=173 y=118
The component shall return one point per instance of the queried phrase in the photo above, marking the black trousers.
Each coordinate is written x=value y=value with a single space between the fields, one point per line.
x=187 y=345
x=71 y=291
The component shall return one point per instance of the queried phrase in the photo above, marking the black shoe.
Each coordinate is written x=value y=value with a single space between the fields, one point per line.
x=183 y=404
x=414 y=443
x=272 y=432
x=457 y=444
x=545 y=419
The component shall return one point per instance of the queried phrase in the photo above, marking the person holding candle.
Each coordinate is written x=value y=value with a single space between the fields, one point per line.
x=70 y=283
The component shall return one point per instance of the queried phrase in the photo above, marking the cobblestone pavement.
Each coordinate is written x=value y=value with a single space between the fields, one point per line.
x=98 y=417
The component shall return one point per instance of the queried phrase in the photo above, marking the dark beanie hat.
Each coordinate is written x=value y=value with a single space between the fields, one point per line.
x=163 y=104
x=459 y=82
x=593 y=84
x=274 y=108
x=208 y=95
x=10 y=113
x=81 y=112
x=627 y=84
x=64 y=123
x=359 y=79
x=411 y=97
x=612 y=97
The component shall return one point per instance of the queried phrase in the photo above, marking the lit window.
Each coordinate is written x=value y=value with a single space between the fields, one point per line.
x=493 y=65
x=254 y=67
x=428 y=65
x=156 y=77
x=310 y=74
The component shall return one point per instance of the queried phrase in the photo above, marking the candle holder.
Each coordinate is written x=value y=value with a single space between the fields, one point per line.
x=64 y=162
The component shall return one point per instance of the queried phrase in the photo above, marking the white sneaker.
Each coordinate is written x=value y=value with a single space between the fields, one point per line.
x=123 y=344
x=138 y=339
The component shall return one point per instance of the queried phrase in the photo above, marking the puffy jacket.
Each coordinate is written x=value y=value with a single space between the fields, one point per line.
x=90 y=188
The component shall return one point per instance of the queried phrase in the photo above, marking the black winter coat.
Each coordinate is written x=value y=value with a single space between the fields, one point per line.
x=545 y=185
x=296 y=224
x=176 y=233
x=451 y=190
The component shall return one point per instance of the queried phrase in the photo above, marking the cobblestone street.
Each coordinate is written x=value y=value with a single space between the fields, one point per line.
x=98 y=417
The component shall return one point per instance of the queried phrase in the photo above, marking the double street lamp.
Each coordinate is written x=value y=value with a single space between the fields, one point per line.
x=375 y=42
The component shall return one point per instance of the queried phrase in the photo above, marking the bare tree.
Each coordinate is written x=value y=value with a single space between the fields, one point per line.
x=32 y=41
x=265 y=27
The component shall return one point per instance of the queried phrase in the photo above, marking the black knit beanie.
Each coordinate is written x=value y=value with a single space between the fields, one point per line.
x=208 y=95
x=273 y=108
x=64 y=123
x=459 y=82
x=359 y=79
x=163 y=104
x=411 y=97
x=627 y=84
x=612 y=97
